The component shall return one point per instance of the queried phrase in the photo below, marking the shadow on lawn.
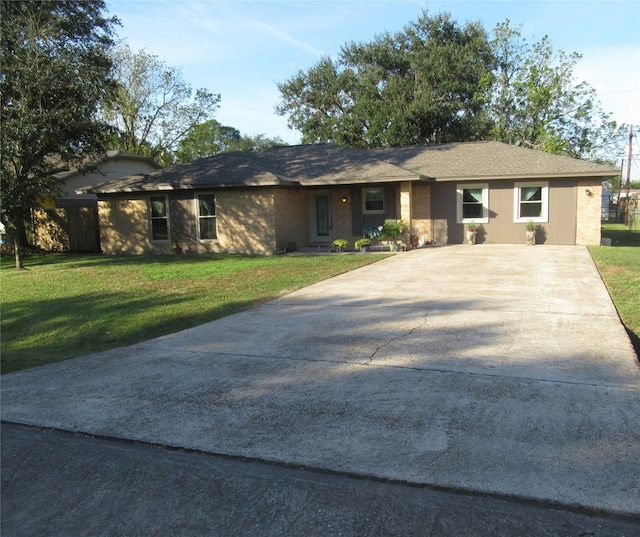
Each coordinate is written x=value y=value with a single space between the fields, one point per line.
x=60 y=329
x=621 y=235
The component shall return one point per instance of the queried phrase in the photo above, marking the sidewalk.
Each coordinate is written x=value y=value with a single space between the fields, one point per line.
x=501 y=370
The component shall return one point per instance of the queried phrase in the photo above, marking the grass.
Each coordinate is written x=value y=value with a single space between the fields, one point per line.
x=64 y=306
x=619 y=266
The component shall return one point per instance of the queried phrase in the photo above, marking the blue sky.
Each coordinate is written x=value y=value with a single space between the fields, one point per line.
x=241 y=49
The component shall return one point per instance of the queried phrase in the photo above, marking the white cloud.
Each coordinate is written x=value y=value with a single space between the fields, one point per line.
x=272 y=32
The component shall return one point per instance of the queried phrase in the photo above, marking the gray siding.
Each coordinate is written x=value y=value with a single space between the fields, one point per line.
x=501 y=229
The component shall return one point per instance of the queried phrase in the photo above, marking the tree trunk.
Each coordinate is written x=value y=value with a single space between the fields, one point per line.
x=17 y=244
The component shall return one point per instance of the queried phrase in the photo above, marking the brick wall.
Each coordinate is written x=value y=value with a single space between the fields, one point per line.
x=124 y=227
x=588 y=211
x=245 y=224
x=421 y=211
x=291 y=214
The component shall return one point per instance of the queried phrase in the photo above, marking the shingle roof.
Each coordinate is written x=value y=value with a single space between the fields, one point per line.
x=473 y=160
x=328 y=164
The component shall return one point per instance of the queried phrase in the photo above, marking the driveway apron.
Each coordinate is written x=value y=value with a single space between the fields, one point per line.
x=500 y=369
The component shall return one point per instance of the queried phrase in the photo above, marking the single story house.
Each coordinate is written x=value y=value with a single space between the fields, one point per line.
x=304 y=195
x=69 y=221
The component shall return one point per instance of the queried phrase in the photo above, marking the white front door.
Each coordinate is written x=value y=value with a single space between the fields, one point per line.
x=320 y=216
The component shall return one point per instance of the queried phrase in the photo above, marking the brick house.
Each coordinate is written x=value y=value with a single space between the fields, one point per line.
x=69 y=221
x=305 y=195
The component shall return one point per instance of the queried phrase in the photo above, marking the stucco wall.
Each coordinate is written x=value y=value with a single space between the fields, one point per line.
x=501 y=228
x=341 y=216
x=106 y=171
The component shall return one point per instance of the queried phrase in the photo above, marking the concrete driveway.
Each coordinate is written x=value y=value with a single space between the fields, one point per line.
x=496 y=369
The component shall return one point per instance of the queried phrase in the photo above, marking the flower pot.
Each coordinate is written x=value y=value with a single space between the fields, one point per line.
x=471 y=236
x=531 y=238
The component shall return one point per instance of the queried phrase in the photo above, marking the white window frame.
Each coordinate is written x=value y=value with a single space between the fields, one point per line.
x=196 y=202
x=364 y=201
x=544 y=216
x=485 y=203
x=167 y=218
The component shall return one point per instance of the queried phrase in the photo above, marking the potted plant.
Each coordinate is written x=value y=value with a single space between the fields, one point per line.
x=471 y=232
x=531 y=233
x=340 y=244
x=394 y=229
x=363 y=244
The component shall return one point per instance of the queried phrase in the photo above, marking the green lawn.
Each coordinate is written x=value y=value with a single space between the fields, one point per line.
x=619 y=266
x=64 y=306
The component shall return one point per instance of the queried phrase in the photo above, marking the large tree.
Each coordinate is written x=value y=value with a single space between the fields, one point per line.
x=55 y=75
x=211 y=138
x=154 y=108
x=538 y=103
x=426 y=84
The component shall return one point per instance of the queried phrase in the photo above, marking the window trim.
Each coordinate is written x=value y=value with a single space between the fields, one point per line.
x=485 y=203
x=196 y=201
x=544 y=217
x=167 y=218
x=364 y=201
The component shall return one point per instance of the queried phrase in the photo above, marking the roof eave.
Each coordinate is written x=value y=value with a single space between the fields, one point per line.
x=359 y=180
x=192 y=186
x=529 y=176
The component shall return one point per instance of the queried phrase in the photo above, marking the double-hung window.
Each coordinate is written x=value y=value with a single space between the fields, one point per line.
x=206 y=204
x=531 y=202
x=473 y=203
x=373 y=201
x=159 y=215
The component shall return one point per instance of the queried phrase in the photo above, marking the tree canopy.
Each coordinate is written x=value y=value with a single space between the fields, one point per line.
x=436 y=81
x=426 y=84
x=56 y=74
x=154 y=108
x=211 y=137
x=536 y=101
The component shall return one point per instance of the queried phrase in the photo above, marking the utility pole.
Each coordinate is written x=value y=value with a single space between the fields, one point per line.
x=626 y=201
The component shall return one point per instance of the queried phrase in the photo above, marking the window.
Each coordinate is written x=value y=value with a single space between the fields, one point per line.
x=473 y=203
x=373 y=200
x=206 y=217
x=531 y=202
x=158 y=209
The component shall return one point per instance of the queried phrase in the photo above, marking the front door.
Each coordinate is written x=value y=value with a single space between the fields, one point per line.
x=320 y=213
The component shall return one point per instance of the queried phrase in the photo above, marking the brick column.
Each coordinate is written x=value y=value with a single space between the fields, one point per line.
x=405 y=203
x=588 y=211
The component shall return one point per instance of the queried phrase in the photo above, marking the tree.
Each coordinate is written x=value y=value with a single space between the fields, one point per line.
x=211 y=138
x=55 y=75
x=536 y=101
x=255 y=143
x=425 y=84
x=154 y=109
